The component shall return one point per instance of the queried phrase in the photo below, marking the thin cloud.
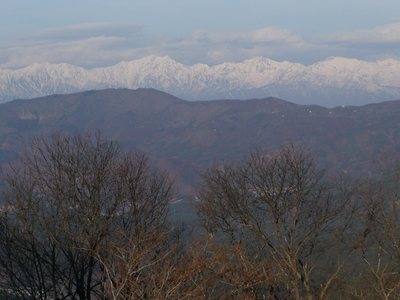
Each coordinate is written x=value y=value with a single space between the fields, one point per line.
x=89 y=53
x=263 y=35
x=217 y=47
x=88 y=45
x=85 y=31
x=389 y=33
x=103 y=44
x=377 y=43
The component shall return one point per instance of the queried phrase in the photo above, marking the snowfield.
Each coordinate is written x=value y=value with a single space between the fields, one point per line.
x=332 y=82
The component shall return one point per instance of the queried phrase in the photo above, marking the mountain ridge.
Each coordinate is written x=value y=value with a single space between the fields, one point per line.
x=332 y=82
x=184 y=136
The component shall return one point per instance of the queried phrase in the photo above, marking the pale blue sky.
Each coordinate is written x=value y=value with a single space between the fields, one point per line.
x=92 y=33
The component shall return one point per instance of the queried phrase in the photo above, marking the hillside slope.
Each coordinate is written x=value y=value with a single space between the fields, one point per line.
x=184 y=136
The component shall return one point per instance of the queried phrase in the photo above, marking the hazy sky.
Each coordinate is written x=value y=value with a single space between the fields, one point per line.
x=98 y=33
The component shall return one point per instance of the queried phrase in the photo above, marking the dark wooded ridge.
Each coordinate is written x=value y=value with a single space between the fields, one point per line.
x=186 y=136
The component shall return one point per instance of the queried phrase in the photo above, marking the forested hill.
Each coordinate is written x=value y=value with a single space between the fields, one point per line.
x=183 y=136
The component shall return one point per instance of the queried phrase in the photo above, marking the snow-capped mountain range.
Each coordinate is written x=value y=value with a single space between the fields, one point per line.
x=332 y=82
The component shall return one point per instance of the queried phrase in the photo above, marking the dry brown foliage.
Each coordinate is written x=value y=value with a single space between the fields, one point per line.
x=205 y=270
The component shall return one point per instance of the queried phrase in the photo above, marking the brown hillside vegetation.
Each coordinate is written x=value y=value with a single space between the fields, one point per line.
x=82 y=219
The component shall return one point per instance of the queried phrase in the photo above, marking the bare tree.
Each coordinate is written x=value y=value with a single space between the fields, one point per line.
x=380 y=195
x=283 y=204
x=143 y=266
x=227 y=271
x=68 y=198
x=204 y=270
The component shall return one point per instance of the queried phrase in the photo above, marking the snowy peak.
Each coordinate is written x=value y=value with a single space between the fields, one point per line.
x=332 y=82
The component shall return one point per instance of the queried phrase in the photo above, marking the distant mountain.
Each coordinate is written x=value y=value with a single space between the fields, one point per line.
x=185 y=136
x=333 y=82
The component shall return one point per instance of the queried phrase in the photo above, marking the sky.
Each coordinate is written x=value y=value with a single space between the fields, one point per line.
x=94 y=33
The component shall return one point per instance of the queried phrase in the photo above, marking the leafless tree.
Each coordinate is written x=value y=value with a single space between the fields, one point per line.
x=283 y=204
x=227 y=271
x=380 y=195
x=66 y=201
x=205 y=270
